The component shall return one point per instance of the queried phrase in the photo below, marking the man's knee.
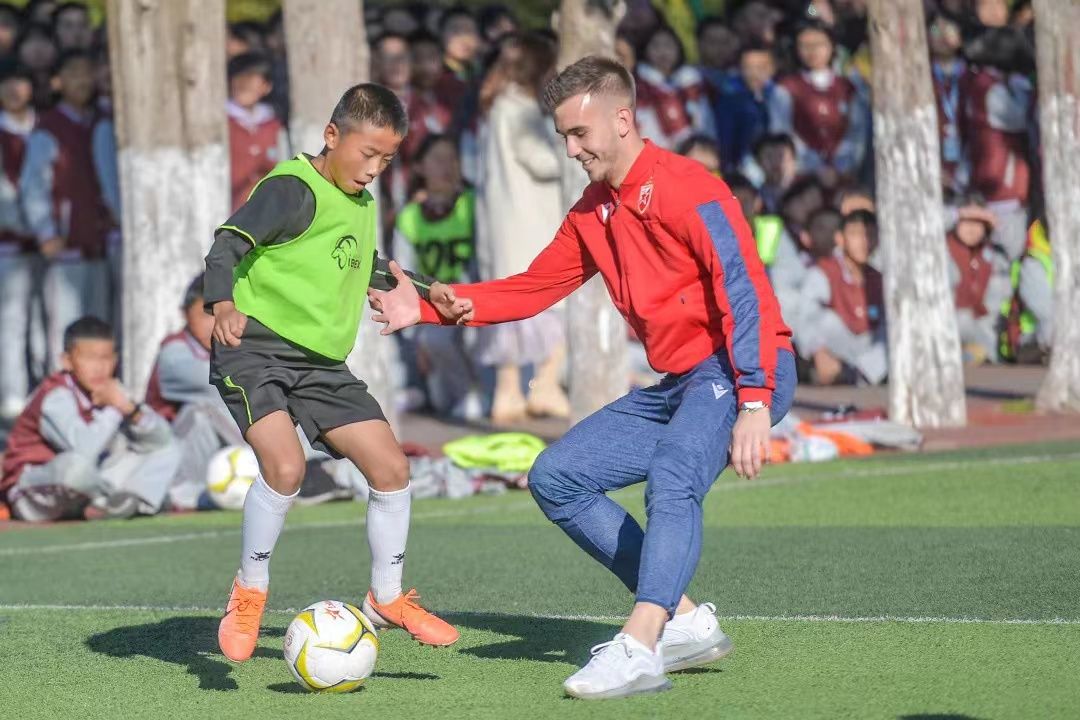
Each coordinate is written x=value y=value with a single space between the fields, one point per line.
x=548 y=479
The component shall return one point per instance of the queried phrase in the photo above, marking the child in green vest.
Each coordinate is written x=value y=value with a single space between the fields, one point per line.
x=286 y=280
x=435 y=233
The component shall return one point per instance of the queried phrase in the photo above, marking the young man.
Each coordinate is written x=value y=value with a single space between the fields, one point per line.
x=286 y=279
x=842 y=307
x=83 y=447
x=63 y=202
x=679 y=261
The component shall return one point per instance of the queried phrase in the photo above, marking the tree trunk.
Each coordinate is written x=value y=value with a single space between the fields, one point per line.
x=327 y=53
x=596 y=332
x=926 y=378
x=168 y=77
x=1057 y=39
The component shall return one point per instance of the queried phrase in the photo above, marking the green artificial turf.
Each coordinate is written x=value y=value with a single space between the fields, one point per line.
x=917 y=586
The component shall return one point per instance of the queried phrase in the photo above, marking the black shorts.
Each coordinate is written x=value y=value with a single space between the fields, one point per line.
x=267 y=373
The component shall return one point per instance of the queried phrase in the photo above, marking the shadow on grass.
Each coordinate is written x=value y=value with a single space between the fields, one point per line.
x=937 y=716
x=540 y=639
x=187 y=641
x=295 y=689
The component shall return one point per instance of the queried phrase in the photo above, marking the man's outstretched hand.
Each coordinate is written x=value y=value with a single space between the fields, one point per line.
x=400 y=308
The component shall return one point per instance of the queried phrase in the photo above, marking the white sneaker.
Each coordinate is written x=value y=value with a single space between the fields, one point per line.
x=619 y=668
x=693 y=639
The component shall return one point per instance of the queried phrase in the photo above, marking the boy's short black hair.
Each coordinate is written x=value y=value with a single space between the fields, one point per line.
x=11 y=70
x=73 y=55
x=429 y=142
x=822 y=227
x=708 y=22
x=423 y=36
x=87 y=327
x=371 y=103
x=859 y=217
x=774 y=139
x=800 y=187
x=65 y=7
x=250 y=63
x=737 y=181
x=194 y=293
x=698 y=141
x=455 y=11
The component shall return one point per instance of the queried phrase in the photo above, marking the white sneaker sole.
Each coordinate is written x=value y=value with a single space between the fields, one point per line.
x=641 y=685
x=706 y=651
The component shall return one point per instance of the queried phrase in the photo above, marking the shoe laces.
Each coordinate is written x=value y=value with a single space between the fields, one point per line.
x=606 y=650
x=248 y=609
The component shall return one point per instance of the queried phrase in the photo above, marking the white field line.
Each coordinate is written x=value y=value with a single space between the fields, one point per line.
x=907 y=620
x=902 y=469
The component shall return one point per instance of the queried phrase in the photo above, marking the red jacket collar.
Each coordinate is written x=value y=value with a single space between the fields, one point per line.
x=640 y=173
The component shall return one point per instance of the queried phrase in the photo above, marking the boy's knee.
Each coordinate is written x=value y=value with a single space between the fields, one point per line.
x=284 y=476
x=392 y=476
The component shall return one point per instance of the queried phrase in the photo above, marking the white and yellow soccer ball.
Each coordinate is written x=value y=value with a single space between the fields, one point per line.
x=331 y=647
x=229 y=476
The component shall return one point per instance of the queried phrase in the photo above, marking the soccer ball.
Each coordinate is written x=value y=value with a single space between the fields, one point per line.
x=229 y=476
x=331 y=647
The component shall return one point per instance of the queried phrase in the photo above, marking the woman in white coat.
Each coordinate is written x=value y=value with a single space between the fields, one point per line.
x=519 y=208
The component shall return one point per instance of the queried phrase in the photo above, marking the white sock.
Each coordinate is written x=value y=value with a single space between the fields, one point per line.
x=387 y=532
x=264 y=517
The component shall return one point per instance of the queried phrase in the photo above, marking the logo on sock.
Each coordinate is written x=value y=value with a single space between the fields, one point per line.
x=260 y=556
x=398 y=559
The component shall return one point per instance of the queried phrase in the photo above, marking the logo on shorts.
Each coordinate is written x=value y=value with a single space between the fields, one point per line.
x=345 y=253
x=719 y=391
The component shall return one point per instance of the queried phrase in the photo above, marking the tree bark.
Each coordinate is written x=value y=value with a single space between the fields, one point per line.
x=1057 y=39
x=596 y=332
x=328 y=53
x=168 y=77
x=926 y=379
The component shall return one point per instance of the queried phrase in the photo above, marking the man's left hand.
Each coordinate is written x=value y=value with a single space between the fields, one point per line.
x=750 y=442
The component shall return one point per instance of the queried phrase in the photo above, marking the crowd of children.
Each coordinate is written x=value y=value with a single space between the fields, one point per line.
x=773 y=95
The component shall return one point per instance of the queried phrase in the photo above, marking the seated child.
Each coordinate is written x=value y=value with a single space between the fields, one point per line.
x=82 y=447
x=842 y=321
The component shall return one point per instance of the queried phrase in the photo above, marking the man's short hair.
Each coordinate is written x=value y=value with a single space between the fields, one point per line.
x=594 y=75
x=371 y=103
x=87 y=327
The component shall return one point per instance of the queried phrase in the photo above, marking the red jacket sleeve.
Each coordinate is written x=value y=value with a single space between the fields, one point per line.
x=559 y=269
x=720 y=237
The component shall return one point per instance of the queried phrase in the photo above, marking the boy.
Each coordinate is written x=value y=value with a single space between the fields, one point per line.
x=178 y=391
x=83 y=447
x=843 y=308
x=63 y=203
x=979 y=277
x=680 y=263
x=257 y=140
x=16 y=244
x=435 y=234
x=286 y=279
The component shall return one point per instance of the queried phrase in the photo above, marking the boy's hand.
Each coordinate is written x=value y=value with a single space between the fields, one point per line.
x=398 y=308
x=51 y=248
x=449 y=305
x=750 y=442
x=112 y=394
x=229 y=323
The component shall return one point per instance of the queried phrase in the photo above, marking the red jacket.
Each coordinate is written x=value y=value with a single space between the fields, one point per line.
x=679 y=261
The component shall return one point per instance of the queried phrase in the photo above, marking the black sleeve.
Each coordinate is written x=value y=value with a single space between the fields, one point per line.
x=278 y=211
x=224 y=255
x=383 y=279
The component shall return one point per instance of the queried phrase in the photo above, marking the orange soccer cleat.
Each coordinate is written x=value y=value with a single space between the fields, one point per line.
x=239 y=628
x=405 y=613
